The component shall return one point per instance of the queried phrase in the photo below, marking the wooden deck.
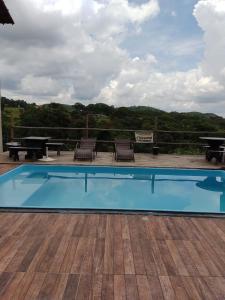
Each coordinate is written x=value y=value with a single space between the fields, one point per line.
x=141 y=159
x=70 y=256
x=102 y=256
x=6 y=167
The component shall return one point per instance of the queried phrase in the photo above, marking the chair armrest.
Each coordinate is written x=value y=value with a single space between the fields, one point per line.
x=77 y=145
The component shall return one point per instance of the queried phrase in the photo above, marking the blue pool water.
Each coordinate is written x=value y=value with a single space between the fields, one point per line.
x=87 y=187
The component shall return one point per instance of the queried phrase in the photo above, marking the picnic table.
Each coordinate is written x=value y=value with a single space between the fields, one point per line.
x=36 y=142
x=11 y=145
x=214 y=149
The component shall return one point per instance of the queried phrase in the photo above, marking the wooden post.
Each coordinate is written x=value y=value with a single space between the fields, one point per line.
x=11 y=127
x=1 y=138
x=87 y=125
x=155 y=130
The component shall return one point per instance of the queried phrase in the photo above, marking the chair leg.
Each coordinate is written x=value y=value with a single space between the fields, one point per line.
x=58 y=151
x=16 y=156
x=34 y=155
x=10 y=153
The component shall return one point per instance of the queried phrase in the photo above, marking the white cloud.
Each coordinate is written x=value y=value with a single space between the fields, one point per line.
x=185 y=47
x=66 y=7
x=171 y=91
x=210 y=15
x=202 y=88
x=67 y=51
x=138 y=13
x=113 y=16
x=57 y=44
x=41 y=85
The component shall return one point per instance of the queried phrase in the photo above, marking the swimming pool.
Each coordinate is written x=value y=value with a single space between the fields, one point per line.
x=113 y=188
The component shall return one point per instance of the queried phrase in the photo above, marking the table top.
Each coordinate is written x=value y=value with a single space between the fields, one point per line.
x=12 y=144
x=55 y=144
x=38 y=138
x=211 y=138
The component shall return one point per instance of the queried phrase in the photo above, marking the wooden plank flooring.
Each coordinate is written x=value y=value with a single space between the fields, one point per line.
x=107 y=158
x=6 y=167
x=99 y=256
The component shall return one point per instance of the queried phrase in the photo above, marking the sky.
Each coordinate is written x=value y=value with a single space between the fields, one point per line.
x=168 y=54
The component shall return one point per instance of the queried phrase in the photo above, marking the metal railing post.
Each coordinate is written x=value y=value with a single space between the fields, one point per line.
x=1 y=137
x=87 y=116
x=155 y=130
x=11 y=127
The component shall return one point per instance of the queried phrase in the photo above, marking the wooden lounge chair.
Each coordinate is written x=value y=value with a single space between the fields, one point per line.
x=84 y=153
x=123 y=150
x=88 y=142
x=85 y=149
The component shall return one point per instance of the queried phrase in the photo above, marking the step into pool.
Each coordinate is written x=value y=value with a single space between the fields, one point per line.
x=113 y=188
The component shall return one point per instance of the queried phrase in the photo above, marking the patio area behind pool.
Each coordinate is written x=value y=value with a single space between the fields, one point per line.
x=141 y=159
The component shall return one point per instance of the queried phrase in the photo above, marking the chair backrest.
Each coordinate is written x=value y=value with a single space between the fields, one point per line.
x=123 y=143
x=88 y=139
x=87 y=142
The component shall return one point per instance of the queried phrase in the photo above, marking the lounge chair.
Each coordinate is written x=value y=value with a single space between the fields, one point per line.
x=88 y=142
x=123 y=150
x=85 y=149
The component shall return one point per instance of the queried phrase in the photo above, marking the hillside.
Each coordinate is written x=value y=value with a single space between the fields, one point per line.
x=136 y=117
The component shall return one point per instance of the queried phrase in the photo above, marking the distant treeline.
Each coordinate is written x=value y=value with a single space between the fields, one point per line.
x=19 y=112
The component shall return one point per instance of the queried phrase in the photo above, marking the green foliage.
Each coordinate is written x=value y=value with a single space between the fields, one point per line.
x=104 y=116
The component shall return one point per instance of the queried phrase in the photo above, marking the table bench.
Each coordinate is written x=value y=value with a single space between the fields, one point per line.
x=36 y=142
x=32 y=152
x=57 y=146
x=215 y=144
x=12 y=145
x=219 y=155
